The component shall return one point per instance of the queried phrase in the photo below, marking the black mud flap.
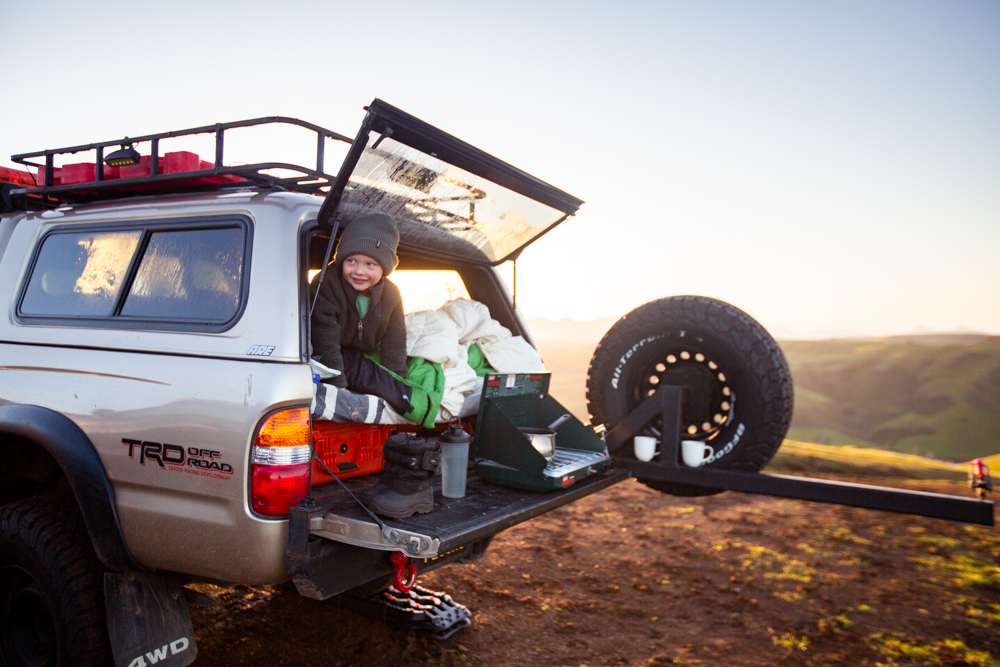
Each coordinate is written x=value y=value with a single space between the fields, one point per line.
x=148 y=621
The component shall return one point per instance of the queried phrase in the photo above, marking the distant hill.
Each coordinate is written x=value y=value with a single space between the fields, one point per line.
x=589 y=331
x=930 y=394
x=936 y=394
x=568 y=362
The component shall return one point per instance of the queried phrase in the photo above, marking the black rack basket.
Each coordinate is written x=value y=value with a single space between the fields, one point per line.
x=313 y=179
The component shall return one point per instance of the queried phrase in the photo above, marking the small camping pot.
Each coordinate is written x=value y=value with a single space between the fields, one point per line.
x=544 y=439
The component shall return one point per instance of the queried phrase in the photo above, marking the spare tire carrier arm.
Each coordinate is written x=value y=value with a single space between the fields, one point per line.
x=666 y=401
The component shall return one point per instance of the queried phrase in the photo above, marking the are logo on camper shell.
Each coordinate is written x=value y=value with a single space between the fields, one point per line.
x=193 y=460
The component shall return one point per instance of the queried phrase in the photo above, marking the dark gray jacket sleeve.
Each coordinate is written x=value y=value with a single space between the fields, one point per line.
x=393 y=347
x=326 y=332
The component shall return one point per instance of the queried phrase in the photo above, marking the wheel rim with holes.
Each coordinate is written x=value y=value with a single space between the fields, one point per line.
x=711 y=399
x=27 y=620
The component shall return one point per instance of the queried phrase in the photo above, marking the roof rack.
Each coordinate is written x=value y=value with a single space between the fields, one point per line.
x=180 y=171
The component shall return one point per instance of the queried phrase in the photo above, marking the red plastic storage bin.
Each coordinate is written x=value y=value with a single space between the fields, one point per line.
x=55 y=176
x=83 y=172
x=17 y=177
x=349 y=450
x=137 y=170
x=179 y=161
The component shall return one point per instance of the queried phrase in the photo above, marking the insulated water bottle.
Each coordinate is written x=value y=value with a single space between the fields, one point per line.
x=454 y=460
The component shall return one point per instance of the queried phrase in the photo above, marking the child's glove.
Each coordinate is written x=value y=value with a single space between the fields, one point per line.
x=322 y=371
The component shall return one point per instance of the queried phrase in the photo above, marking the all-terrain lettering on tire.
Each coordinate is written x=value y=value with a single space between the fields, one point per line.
x=739 y=399
x=626 y=357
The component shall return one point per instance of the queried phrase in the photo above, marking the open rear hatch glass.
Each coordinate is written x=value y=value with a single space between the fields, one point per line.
x=448 y=197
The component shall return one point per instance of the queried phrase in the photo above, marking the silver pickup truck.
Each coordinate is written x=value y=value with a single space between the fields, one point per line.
x=156 y=396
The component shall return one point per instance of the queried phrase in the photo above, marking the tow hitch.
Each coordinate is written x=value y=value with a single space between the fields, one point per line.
x=402 y=578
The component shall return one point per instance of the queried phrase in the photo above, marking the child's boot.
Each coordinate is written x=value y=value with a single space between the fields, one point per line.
x=405 y=488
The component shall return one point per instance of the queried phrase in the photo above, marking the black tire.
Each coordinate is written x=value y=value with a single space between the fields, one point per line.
x=51 y=588
x=741 y=397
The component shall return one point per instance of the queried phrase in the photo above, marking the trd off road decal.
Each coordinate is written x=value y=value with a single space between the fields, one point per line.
x=193 y=460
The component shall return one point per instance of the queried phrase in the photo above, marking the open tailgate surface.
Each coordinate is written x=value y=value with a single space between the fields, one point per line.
x=485 y=510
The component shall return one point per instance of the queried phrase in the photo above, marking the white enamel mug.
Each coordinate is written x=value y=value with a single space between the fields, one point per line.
x=695 y=453
x=645 y=447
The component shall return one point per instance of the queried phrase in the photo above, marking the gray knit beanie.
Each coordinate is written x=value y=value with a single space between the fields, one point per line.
x=373 y=234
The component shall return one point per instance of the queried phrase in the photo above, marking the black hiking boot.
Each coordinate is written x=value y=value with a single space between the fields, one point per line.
x=405 y=488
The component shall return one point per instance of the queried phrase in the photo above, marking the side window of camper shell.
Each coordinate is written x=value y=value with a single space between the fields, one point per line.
x=163 y=276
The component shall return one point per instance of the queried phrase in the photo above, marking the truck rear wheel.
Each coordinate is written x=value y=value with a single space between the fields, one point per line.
x=740 y=397
x=51 y=588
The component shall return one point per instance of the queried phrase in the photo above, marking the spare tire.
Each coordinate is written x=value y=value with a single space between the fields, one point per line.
x=740 y=396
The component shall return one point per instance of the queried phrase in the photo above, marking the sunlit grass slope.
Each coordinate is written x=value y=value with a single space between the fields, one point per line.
x=918 y=394
x=807 y=457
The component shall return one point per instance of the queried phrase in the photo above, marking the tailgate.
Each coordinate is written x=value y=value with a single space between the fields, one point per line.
x=335 y=546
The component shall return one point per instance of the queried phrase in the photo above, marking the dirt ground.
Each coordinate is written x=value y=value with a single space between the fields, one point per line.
x=633 y=577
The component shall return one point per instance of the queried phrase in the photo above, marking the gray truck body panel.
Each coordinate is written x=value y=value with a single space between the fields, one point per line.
x=195 y=391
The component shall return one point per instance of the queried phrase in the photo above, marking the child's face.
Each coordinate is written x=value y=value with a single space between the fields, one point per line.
x=362 y=272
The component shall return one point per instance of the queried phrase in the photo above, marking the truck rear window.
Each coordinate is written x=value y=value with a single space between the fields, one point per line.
x=80 y=275
x=157 y=275
x=190 y=275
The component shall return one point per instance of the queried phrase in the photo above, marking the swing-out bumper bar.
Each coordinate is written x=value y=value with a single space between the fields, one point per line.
x=666 y=403
x=933 y=505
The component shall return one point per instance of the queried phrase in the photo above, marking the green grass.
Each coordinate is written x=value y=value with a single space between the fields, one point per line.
x=827 y=436
x=808 y=457
x=935 y=395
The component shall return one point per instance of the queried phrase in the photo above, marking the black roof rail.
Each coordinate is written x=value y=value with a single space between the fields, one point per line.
x=313 y=179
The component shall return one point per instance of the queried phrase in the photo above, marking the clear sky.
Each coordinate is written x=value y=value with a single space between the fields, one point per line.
x=829 y=167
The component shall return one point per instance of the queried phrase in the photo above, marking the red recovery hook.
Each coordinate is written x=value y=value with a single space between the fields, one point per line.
x=399 y=560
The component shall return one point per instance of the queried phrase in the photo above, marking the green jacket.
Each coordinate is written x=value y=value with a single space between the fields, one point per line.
x=336 y=324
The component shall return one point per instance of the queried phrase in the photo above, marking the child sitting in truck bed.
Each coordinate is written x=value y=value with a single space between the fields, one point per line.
x=359 y=311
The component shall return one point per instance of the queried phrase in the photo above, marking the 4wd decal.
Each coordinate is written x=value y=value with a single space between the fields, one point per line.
x=158 y=654
x=194 y=460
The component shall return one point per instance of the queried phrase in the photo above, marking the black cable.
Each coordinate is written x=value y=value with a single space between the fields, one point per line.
x=386 y=530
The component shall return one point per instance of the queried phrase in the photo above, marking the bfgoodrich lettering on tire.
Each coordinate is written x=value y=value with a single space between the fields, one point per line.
x=740 y=397
x=51 y=588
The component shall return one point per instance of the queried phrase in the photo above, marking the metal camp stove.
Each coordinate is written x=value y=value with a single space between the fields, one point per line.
x=504 y=455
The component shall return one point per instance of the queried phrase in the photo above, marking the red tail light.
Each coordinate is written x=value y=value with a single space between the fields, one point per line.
x=280 y=470
x=276 y=488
